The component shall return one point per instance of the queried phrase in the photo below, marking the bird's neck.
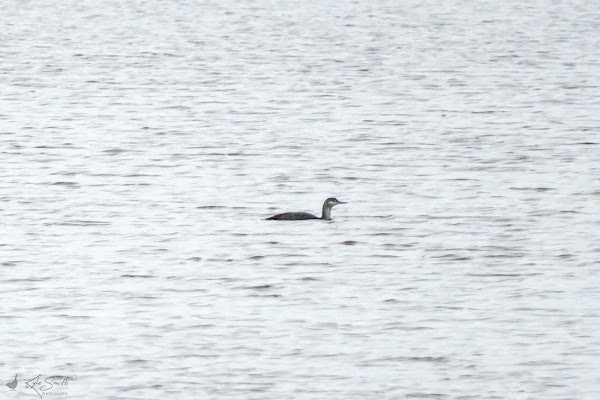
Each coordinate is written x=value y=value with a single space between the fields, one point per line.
x=326 y=212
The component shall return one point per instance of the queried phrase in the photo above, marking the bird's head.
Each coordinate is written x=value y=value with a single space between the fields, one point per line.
x=332 y=201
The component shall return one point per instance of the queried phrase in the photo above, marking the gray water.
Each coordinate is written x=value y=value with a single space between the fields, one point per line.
x=144 y=142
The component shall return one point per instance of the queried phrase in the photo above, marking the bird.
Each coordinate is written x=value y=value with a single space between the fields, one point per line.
x=298 y=216
x=12 y=385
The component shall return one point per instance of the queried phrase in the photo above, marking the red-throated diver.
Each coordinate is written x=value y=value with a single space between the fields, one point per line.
x=296 y=216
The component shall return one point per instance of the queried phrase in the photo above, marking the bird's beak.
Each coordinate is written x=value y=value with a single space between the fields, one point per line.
x=342 y=202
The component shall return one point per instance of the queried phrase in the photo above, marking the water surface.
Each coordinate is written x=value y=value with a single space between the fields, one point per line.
x=143 y=143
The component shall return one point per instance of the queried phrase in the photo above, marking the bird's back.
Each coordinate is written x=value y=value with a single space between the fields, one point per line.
x=289 y=216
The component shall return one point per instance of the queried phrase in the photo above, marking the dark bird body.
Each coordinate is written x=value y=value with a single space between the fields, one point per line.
x=299 y=216
x=291 y=216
